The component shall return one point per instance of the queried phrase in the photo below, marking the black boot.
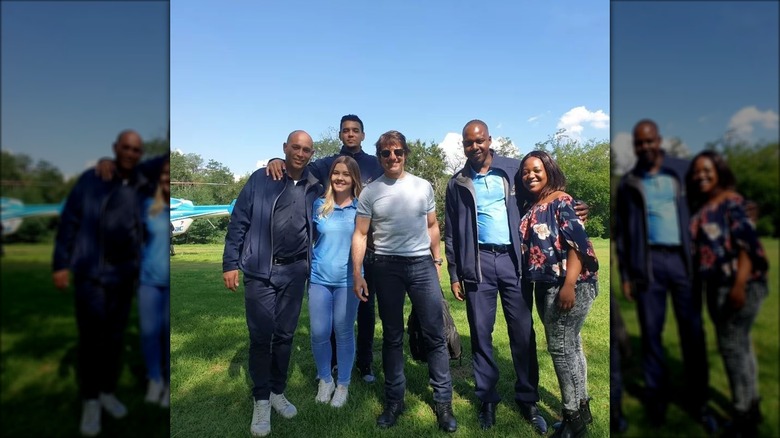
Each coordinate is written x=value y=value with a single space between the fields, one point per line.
x=445 y=417
x=587 y=418
x=572 y=427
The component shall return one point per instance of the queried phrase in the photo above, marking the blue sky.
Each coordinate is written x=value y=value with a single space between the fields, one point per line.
x=74 y=74
x=246 y=73
x=699 y=69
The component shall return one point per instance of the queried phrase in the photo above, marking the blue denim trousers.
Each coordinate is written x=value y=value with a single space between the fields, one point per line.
x=333 y=309
x=272 y=310
x=154 y=312
x=732 y=328
x=393 y=276
x=564 y=342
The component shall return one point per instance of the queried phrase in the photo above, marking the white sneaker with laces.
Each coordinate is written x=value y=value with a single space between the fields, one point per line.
x=90 y=417
x=283 y=406
x=324 y=391
x=340 y=396
x=112 y=405
x=165 y=399
x=261 y=418
x=153 y=391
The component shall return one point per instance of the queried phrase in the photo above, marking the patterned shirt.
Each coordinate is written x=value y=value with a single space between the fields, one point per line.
x=719 y=232
x=548 y=231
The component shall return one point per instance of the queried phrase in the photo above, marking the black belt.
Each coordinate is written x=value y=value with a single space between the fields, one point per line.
x=499 y=249
x=288 y=260
x=401 y=259
x=666 y=248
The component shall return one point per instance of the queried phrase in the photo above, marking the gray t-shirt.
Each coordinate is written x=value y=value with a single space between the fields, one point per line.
x=398 y=209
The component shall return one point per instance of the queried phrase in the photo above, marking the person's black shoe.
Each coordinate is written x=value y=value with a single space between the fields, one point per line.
x=445 y=417
x=530 y=412
x=390 y=415
x=366 y=374
x=487 y=415
x=587 y=418
x=573 y=425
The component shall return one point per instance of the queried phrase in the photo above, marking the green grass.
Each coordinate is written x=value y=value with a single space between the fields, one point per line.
x=211 y=388
x=765 y=336
x=38 y=346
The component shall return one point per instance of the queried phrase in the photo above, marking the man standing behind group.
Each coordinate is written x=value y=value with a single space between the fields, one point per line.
x=99 y=240
x=401 y=209
x=654 y=255
x=351 y=134
x=268 y=238
x=482 y=246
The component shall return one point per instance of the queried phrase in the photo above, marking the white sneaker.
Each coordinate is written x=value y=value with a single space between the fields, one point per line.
x=112 y=405
x=324 y=391
x=165 y=399
x=340 y=396
x=261 y=418
x=283 y=406
x=90 y=418
x=153 y=391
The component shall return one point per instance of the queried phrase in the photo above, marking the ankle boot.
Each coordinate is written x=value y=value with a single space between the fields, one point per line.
x=587 y=418
x=573 y=425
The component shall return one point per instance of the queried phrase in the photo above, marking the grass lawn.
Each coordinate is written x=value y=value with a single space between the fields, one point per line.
x=211 y=388
x=38 y=346
x=765 y=333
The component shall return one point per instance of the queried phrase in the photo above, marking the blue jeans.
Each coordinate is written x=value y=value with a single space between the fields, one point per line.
x=154 y=310
x=333 y=309
x=417 y=276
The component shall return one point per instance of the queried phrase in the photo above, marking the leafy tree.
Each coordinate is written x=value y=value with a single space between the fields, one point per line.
x=328 y=144
x=427 y=162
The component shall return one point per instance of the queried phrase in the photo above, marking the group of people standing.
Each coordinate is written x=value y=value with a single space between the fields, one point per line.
x=374 y=235
x=113 y=239
x=682 y=227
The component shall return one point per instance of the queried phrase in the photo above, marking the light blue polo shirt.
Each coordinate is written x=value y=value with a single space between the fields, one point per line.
x=492 y=218
x=663 y=225
x=331 y=263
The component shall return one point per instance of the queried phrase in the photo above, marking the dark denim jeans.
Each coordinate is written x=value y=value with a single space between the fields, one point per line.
x=272 y=310
x=366 y=318
x=417 y=276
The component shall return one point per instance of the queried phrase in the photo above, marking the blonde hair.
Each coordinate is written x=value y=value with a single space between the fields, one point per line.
x=159 y=202
x=354 y=172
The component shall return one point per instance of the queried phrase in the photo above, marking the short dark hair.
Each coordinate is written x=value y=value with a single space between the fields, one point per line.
x=556 y=180
x=392 y=137
x=646 y=122
x=351 y=118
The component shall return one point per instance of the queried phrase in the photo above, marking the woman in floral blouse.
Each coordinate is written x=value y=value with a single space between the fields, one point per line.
x=559 y=260
x=730 y=267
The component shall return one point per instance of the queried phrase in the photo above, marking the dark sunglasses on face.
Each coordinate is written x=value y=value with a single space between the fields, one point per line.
x=397 y=152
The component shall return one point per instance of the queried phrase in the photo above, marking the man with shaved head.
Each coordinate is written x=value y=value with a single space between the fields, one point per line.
x=268 y=239
x=482 y=245
x=99 y=240
x=654 y=257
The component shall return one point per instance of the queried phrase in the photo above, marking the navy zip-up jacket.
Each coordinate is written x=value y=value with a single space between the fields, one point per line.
x=249 y=241
x=460 y=221
x=101 y=228
x=633 y=250
x=369 y=166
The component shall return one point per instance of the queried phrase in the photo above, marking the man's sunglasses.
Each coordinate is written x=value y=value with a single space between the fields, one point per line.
x=397 y=152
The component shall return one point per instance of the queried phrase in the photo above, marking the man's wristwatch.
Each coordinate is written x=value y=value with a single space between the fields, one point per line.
x=438 y=261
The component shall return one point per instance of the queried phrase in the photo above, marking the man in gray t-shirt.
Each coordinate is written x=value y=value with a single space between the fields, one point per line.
x=401 y=210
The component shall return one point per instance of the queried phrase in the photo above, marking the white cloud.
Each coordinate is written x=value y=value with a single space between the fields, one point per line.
x=179 y=151
x=622 y=152
x=743 y=121
x=452 y=145
x=573 y=121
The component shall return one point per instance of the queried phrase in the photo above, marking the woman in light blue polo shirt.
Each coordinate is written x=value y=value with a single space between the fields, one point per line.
x=332 y=305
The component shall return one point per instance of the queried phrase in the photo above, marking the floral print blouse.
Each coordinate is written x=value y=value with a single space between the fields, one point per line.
x=548 y=231
x=719 y=232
